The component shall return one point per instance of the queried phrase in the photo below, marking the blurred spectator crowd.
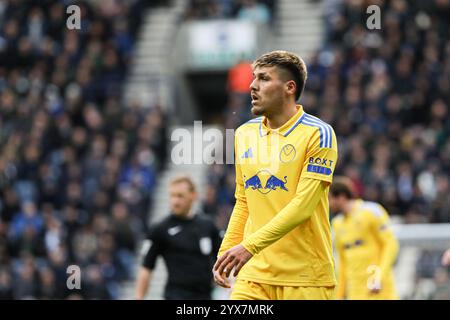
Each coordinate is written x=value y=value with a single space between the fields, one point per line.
x=260 y=11
x=77 y=168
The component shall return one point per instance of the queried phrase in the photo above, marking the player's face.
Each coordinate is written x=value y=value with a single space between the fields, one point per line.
x=267 y=91
x=335 y=203
x=181 y=199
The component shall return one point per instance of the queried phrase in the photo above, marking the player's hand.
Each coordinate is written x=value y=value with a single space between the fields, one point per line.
x=446 y=258
x=220 y=279
x=375 y=288
x=234 y=258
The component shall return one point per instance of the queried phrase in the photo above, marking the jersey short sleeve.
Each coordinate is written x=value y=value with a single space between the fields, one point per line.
x=152 y=247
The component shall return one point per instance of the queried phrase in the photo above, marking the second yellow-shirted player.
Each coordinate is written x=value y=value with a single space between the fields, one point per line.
x=365 y=245
x=278 y=240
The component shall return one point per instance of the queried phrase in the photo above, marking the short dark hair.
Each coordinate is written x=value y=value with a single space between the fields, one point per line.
x=289 y=62
x=342 y=186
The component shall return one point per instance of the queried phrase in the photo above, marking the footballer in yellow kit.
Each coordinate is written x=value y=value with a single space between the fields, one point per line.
x=365 y=245
x=278 y=240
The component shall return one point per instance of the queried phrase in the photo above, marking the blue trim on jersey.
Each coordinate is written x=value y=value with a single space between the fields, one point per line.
x=260 y=129
x=296 y=124
x=256 y=120
x=326 y=135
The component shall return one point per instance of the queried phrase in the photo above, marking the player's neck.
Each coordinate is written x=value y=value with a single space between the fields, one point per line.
x=348 y=207
x=186 y=216
x=274 y=121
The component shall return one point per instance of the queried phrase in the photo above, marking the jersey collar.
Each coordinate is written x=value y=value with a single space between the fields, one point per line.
x=286 y=128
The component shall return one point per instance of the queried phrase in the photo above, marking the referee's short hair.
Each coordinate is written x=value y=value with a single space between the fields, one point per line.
x=184 y=179
x=342 y=186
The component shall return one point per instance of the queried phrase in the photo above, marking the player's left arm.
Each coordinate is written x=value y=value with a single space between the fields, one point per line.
x=298 y=210
x=312 y=186
x=309 y=192
x=316 y=176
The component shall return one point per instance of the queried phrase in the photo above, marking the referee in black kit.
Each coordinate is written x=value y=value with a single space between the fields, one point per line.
x=188 y=243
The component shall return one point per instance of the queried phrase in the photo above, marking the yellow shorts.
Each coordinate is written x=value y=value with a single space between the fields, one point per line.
x=249 y=290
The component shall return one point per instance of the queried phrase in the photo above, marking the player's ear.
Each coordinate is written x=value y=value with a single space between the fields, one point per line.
x=291 y=87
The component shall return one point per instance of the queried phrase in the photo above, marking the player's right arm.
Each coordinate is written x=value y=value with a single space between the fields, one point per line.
x=311 y=188
x=236 y=226
x=151 y=248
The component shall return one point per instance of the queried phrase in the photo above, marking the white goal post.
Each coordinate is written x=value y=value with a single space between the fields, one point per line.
x=414 y=239
x=424 y=236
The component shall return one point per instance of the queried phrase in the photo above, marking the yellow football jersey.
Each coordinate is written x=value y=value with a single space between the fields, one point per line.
x=366 y=248
x=281 y=213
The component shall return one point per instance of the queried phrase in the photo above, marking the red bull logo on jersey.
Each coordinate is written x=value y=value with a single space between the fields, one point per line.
x=270 y=182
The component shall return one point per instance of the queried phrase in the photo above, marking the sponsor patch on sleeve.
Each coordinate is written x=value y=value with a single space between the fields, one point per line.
x=318 y=169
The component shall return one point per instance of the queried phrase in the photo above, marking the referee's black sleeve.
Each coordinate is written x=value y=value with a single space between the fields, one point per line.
x=154 y=248
x=216 y=239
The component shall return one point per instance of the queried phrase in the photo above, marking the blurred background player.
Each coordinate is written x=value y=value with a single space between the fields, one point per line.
x=188 y=242
x=365 y=244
